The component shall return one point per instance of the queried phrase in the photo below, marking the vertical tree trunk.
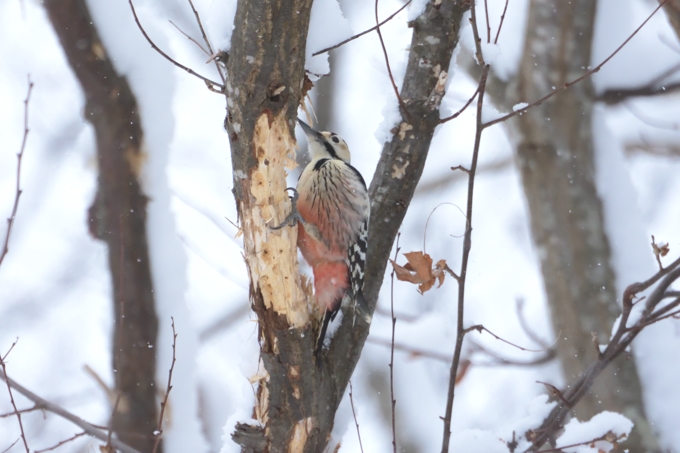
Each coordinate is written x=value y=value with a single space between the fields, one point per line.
x=555 y=156
x=118 y=217
x=297 y=398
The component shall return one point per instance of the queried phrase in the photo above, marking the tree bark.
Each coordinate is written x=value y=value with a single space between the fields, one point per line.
x=672 y=9
x=118 y=217
x=555 y=156
x=297 y=398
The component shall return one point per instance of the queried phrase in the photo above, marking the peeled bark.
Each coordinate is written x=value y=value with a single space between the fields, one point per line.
x=118 y=217
x=555 y=156
x=297 y=398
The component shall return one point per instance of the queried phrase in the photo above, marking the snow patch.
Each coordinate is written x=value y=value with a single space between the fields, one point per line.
x=327 y=26
x=576 y=432
x=416 y=9
x=519 y=106
x=219 y=23
x=391 y=118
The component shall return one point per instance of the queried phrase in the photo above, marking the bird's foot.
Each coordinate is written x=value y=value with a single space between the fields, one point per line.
x=294 y=217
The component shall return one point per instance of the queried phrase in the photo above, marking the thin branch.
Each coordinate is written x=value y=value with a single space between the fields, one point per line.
x=10 y=447
x=402 y=105
x=498 y=32
x=441 y=357
x=578 y=79
x=9 y=391
x=207 y=43
x=455 y=115
x=614 y=96
x=63 y=442
x=375 y=27
x=10 y=220
x=549 y=354
x=622 y=338
x=89 y=428
x=587 y=442
x=554 y=391
x=480 y=328
x=351 y=402
x=159 y=429
x=467 y=246
x=22 y=411
x=488 y=26
x=190 y=38
x=113 y=413
x=475 y=32
x=394 y=324
x=213 y=86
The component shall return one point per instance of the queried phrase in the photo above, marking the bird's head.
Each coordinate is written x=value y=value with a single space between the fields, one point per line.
x=325 y=145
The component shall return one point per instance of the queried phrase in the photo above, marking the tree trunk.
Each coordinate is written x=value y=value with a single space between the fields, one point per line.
x=297 y=398
x=118 y=217
x=555 y=156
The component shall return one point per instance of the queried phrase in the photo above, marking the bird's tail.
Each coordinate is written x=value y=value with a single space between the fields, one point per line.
x=327 y=318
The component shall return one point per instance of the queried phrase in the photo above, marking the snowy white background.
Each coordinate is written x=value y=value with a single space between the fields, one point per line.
x=55 y=288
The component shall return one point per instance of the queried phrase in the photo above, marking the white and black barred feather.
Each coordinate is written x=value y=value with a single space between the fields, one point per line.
x=357 y=265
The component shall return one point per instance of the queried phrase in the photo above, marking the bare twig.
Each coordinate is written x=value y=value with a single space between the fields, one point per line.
x=653 y=88
x=10 y=447
x=63 y=442
x=475 y=32
x=554 y=391
x=89 y=428
x=351 y=402
x=207 y=43
x=480 y=328
x=578 y=79
x=614 y=96
x=22 y=411
x=457 y=114
x=498 y=32
x=213 y=86
x=622 y=338
x=159 y=429
x=488 y=26
x=496 y=362
x=402 y=105
x=190 y=38
x=113 y=413
x=11 y=396
x=467 y=245
x=605 y=438
x=359 y=35
x=10 y=220
x=393 y=401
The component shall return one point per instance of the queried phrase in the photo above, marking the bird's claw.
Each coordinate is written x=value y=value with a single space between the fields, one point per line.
x=294 y=217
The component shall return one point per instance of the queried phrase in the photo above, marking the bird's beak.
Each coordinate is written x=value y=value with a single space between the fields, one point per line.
x=309 y=132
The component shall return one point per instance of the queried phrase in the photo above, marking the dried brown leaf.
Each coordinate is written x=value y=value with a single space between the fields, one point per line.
x=419 y=271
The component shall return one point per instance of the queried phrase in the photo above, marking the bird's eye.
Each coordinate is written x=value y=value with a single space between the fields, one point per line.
x=335 y=139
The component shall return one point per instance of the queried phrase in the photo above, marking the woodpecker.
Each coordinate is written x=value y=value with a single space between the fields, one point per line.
x=333 y=208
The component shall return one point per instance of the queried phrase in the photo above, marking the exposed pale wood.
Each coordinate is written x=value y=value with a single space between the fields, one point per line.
x=297 y=397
